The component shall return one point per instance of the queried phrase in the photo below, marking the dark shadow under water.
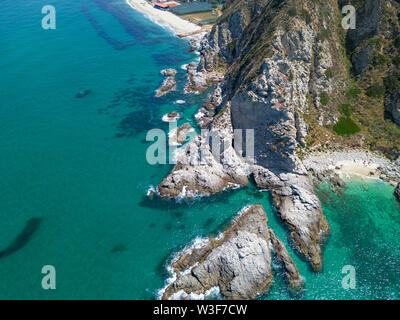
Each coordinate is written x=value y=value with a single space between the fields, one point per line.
x=23 y=238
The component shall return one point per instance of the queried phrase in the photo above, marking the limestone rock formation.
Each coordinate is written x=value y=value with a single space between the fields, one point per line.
x=397 y=192
x=205 y=170
x=285 y=75
x=169 y=83
x=179 y=135
x=393 y=105
x=238 y=263
x=171 y=117
x=292 y=273
x=197 y=81
x=299 y=208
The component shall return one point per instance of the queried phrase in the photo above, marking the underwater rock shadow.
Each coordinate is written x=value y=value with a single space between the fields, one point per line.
x=157 y=202
x=23 y=238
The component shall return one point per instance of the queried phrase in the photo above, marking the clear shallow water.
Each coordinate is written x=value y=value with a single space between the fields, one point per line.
x=79 y=164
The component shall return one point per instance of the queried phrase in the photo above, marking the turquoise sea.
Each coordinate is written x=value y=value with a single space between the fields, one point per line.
x=77 y=166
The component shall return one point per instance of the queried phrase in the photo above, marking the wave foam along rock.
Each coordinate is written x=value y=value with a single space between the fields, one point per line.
x=238 y=264
x=197 y=170
x=169 y=83
x=164 y=19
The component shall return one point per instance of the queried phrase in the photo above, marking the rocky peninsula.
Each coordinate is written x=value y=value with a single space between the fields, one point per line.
x=274 y=65
x=237 y=264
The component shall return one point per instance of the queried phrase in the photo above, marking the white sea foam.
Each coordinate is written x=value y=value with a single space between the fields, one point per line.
x=151 y=191
x=197 y=243
x=213 y=293
x=199 y=115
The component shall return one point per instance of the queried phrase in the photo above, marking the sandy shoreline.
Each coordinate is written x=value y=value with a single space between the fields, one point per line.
x=164 y=18
x=357 y=162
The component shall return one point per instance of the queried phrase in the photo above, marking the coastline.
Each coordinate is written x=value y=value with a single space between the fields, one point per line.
x=164 y=18
x=355 y=163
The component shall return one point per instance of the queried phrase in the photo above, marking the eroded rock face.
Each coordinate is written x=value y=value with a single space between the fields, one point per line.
x=393 y=106
x=197 y=81
x=238 y=264
x=271 y=104
x=179 y=135
x=397 y=192
x=268 y=105
x=292 y=273
x=299 y=208
x=169 y=83
x=199 y=171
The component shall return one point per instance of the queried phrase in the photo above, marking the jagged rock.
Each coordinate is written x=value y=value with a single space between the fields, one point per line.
x=198 y=169
x=337 y=183
x=83 y=93
x=215 y=100
x=368 y=19
x=179 y=135
x=238 y=263
x=397 y=192
x=171 y=117
x=203 y=118
x=197 y=81
x=292 y=273
x=301 y=128
x=271 y=104
x=169 y=72
x=299 y=208
x=169 y=83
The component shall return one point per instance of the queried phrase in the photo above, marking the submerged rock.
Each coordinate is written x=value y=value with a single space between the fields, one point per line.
x=32 y=225
x=171 y=117
x=118 y=248
x=238 y=264
x=197 y=81
x=83 y=93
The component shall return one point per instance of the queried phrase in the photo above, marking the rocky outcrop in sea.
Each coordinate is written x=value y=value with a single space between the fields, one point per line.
x=201 y=171
x=278 y=76
x=179 y=135
x=237 y=264
x=293 y=277
x=169 y=83
x=270 y=104
x=171 y=117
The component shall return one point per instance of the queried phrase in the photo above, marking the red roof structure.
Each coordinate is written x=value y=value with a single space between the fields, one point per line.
x=161 y=5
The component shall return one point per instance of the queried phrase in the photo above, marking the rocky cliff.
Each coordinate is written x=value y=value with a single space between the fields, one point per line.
x=373 y=48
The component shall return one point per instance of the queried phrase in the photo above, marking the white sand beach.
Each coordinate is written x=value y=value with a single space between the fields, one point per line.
x=164 y=18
